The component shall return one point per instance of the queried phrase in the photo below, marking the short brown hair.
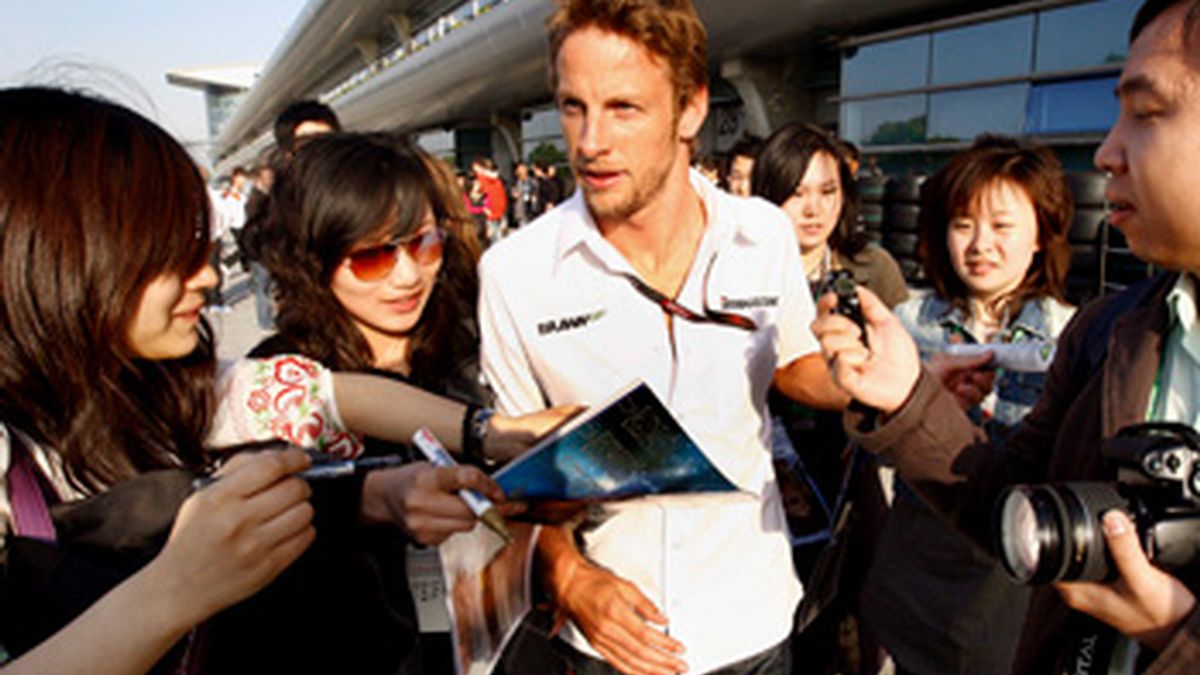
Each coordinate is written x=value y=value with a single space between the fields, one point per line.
x=952 y=191
x=670 y=29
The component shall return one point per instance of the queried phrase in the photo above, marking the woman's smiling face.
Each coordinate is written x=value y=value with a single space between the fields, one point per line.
x=992 y=245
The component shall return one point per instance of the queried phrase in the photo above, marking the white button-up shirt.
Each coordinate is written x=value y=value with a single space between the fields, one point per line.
x=560 y=324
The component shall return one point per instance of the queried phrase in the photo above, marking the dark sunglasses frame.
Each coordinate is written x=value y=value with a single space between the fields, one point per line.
x=374 y=263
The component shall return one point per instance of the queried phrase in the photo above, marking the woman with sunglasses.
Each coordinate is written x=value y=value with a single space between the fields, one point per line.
x=112 y=401
x=374 y=261
x=373 y=255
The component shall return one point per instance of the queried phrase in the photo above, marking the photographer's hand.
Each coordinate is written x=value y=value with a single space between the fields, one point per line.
x=1144 y=602
x=882 y=376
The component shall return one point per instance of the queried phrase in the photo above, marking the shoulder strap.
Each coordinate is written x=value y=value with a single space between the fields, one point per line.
x=1092 y=352
x=31 y=515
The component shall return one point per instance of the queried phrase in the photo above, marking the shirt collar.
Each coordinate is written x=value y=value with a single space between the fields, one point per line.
x=1181 y=306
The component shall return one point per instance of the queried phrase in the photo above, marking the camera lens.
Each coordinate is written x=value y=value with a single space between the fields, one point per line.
x=1022 y=540
x=1053 y=533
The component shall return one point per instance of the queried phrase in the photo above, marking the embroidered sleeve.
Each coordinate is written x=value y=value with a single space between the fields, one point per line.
x=284 y=397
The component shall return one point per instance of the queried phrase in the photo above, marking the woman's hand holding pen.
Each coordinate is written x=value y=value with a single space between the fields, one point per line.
x=235 y=536
x=423 y=499
x=508 y=437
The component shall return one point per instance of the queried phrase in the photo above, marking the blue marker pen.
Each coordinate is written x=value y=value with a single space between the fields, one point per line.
x=328 y=469
x=481 y=506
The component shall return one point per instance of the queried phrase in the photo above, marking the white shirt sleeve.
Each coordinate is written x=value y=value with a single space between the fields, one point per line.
x=796 y=309
x=502 y=353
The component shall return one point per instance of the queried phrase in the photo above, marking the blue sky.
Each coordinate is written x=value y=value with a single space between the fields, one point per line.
x=123 y=48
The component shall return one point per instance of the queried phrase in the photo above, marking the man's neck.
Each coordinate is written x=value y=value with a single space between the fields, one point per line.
x=660 y=241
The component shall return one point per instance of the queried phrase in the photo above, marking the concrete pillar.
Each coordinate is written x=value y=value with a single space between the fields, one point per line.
x=368 y=50
x=772 y=92
x=402 y=25
x=506 y=141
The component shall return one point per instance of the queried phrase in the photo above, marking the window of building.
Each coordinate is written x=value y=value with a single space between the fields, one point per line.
x=886 y=66
x=1084 y=36
x=962 y=115
x=541 y=126
x=1041 y=72
x=1072 y=106
x=898 y=120
x=983 y=51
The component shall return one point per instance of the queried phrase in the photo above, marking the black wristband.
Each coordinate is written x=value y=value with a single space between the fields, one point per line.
x=474 y=430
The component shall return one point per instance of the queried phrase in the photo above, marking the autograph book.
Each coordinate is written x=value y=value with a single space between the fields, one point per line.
x=628 y=447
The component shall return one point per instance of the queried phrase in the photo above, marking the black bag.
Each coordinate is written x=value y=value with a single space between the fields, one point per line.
x=102 y=540
x=344 y=606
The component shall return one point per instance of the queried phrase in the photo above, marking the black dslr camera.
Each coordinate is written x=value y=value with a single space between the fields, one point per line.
x=1052 y=532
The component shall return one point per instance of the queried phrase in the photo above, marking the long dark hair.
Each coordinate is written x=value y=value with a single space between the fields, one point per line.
x=781 y=165
x=952 y=192
x=338 y=191
x=95 y=203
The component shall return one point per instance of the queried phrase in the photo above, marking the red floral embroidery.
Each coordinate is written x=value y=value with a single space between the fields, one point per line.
x=293 y=374
x=258 y=401
x=344 y=445
x=294 y=369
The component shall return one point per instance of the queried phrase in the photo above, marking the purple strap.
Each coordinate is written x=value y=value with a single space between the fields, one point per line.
x=31 y=516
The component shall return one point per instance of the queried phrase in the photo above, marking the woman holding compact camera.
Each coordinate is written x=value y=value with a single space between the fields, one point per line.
x=802 y=169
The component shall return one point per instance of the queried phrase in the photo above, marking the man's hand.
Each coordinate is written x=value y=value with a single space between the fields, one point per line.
x=423 y=500
x=612 y=613
x=884 y=375
x=1144 y=602
x=807 y=380
x=968 y=377
x=508 y=437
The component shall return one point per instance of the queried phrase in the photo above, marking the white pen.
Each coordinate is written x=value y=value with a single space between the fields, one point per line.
x=481 y=506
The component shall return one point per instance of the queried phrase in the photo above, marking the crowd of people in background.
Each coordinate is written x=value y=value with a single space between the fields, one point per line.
x=399 y=291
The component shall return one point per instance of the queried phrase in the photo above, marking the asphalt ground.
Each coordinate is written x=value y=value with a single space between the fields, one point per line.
x=236 y=330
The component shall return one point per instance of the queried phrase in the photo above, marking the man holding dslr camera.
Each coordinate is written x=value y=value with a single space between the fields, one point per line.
x=1127 y=359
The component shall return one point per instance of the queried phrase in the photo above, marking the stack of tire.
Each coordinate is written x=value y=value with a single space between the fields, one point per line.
x=1101 y=261
x=902 y=199
x=871 y=191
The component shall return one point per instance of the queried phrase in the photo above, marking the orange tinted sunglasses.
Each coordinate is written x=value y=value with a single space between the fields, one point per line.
x=376 y=262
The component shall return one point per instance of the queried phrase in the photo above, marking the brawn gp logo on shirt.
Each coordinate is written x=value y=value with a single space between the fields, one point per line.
x=569 y=322
x=749 y=303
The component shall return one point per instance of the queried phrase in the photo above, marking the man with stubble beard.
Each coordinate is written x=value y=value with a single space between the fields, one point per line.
x=651 y=273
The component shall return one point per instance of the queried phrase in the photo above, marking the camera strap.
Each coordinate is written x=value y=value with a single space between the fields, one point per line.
x=30 y=513
x=1096 y=648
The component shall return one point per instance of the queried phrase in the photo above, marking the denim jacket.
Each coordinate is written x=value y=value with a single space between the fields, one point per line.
x=934 y=323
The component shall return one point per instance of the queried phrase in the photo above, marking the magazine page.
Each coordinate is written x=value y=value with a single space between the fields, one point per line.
x=489 y=593
x=631 y=446
x=628 y=447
